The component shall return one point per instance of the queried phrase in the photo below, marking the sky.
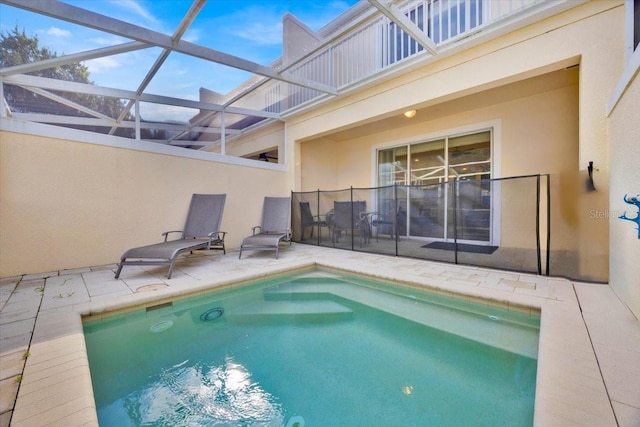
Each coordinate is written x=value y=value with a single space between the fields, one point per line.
x=250 y=29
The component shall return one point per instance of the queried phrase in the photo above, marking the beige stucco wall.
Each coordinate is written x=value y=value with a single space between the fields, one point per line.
x=624 y=245
x=529 y=138
x=591 y=35
x=67 y=204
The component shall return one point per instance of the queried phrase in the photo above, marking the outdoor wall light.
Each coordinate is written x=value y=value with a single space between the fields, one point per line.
x=409 y=114
x=590 y=186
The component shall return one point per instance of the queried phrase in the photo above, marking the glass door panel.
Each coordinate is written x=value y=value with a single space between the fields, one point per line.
x=428 y=163
x=392 y=166
x=427 y=199
x=470 y=164
x=393 y=169
x=470 y=156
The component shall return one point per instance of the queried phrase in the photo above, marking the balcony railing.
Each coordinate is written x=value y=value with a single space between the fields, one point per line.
x=378 y=44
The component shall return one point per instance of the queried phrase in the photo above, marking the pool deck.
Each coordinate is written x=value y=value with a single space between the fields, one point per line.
x=588 y=360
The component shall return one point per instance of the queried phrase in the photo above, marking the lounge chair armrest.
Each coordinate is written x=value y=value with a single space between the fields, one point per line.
x=253 y=230
x=166 y=233
x=217 y=235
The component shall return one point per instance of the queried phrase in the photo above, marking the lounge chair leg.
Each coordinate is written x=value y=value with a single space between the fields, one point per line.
x=240 y=256
x=119 y=268
x=170 y=269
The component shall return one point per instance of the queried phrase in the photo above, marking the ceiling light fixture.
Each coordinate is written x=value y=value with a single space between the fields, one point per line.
x=409 y=114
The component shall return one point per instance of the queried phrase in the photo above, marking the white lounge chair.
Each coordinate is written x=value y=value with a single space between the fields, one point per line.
x=201 y=231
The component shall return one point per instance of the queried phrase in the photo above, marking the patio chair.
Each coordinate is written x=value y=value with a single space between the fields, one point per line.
x=275 y=226
x=307 y=219
x=201 y=231
x=350 y=217
x=385 y=221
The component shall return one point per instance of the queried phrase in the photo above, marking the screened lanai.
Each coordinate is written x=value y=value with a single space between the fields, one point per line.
x=131 y=110
x=190 y=84
x=185 y=82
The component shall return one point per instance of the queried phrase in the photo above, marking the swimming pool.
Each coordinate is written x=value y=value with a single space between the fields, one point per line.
x=315 y=348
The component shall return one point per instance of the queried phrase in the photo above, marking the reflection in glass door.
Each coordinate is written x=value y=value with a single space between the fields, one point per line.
x=392 y=166
x=470 y=165
x=428 y=198
x=431 y=168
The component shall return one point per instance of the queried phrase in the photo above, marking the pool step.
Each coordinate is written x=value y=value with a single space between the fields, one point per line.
x=508 y=336
x=306 y=311
x=297 y=292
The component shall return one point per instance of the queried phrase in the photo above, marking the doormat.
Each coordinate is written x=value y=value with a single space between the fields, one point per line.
x=462 y=247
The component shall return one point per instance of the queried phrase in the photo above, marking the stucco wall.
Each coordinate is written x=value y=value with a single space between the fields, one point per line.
x=67 y=204
x=591 y=35
x=535 y=128
x=624 y=245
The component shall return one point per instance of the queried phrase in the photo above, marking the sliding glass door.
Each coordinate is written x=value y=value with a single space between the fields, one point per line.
x=448 y=185
x=469 y=163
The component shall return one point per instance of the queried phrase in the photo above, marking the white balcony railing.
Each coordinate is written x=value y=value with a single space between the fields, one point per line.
x=380 y=43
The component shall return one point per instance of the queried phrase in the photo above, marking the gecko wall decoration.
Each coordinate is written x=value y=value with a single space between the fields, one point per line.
x=636 y=202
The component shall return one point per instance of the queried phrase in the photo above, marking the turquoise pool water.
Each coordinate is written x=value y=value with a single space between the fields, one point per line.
x=315 y=349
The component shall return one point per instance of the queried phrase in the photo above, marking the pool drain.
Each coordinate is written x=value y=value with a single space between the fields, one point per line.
x=161 y=326
x=212 y=314
x=296 y=421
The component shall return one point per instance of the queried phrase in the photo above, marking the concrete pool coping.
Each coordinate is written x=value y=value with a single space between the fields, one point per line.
x=581 y=380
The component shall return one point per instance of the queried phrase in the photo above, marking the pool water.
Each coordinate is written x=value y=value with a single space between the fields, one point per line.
x=315 y=349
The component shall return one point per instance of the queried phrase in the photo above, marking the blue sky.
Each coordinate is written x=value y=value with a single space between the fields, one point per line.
x=251 y=29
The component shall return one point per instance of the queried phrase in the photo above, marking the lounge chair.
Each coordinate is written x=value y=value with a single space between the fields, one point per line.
x=275 y=227
x=201 y=231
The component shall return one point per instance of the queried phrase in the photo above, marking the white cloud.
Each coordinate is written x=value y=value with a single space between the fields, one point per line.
x=103 y=64
x=264 y=34
x=136 y=8
x=161 y=112
x=57 y=32
x=265 y=31
x=107 y=41
x=192 y=36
